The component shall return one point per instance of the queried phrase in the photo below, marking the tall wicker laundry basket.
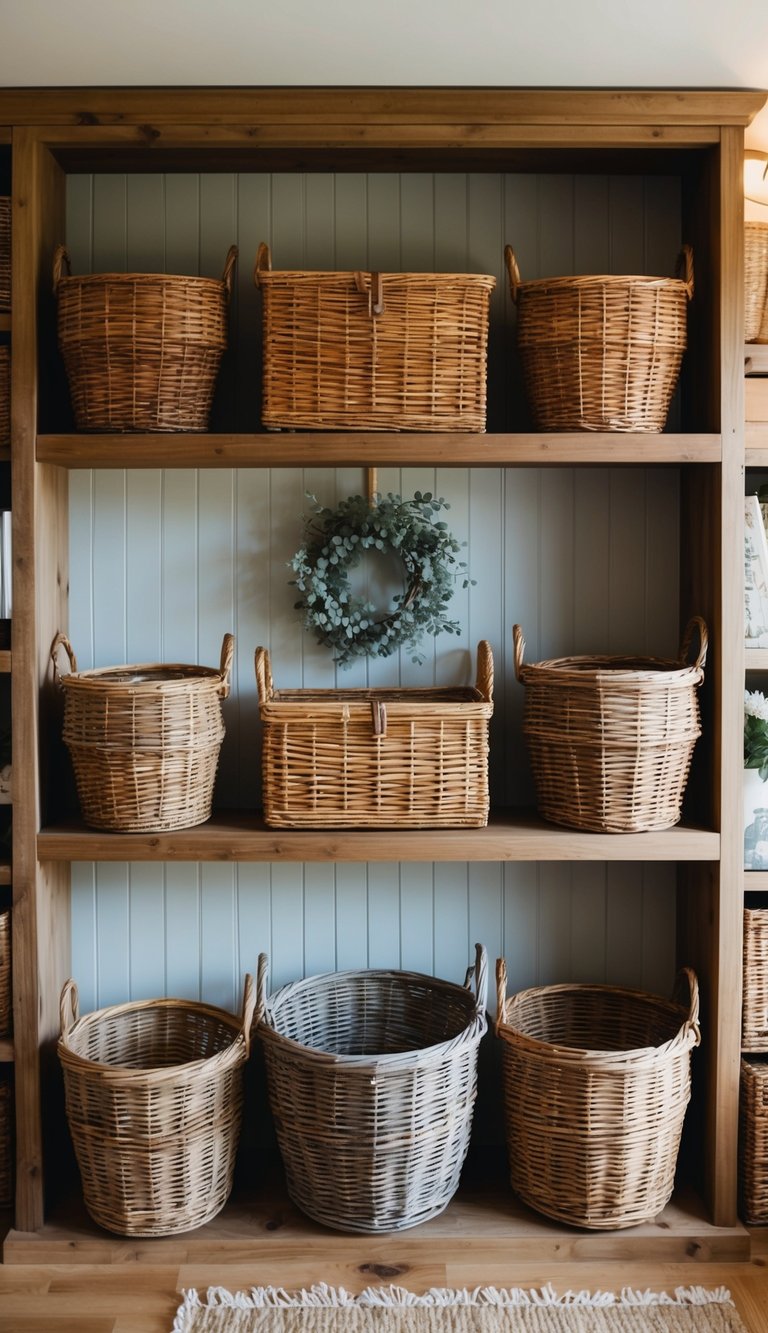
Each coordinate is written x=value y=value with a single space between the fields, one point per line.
x=153 y=1094
x=372 y=1080
x=596 y=1085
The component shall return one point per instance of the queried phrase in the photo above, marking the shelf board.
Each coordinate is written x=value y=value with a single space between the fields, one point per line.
x=5 y=321
x=756 y=443
x=5 y=872
x=482 y=1222
x=756 y=659
x=6 y=1050
x=756 y=880
x=242 y=836
x=756 y=358
x=5 y=660
x=373 y=449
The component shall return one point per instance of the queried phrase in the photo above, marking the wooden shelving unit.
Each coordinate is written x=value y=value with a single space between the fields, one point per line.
x=58 y=130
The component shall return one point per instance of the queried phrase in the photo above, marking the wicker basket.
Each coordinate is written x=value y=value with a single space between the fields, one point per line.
x=611 y=738
x=153 y=1094
x=6 y=1005
x=6 y=1141
x=754 y=1013
x=755 y=279
x=372 y=1079
x=596 y=1084
x=5 y=395
x=601 y=352
x=5 y=252
x=144 y=740
x=141 y=350
x=753 y=1140
x=378 y=758
x=372 y=351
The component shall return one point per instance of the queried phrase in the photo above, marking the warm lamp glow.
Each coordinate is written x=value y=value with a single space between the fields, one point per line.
x=756 y=177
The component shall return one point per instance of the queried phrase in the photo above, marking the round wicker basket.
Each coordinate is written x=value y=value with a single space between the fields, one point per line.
x=372 y=1079
x=601 y=352
x=755 y=281
x=144 y=740
x=141 y=350
x=153 y=1094
x=596 y=1084
x=611 y=738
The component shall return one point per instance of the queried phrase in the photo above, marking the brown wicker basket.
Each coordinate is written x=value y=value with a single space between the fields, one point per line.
x=754 y=1013
x=378 y=758
x=6 y=1141
x=5 y=395
x=144 y=740
x=141 y=350
x=6 y=1005
x=372 y=351
x=611 y=738
x=372 y=1078
x=596 y=1084
x=753 y=1140
x=153 y=1094
x=601 y=352
x=5 y=252
x=755 y=279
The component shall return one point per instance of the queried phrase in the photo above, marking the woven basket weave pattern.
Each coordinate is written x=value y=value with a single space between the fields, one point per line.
x=754 y=1014
x=753 y=1141
x=601 y=352
x=611 y=738
x=331 y=362
x=755 y=280
x=596 y=1083
x=5 y=252
x=154 y=1096
x=372 y=1082
x=324 y=766
x=5 y=395
x=144 y=741
x=6 y=1007
x=141 y=350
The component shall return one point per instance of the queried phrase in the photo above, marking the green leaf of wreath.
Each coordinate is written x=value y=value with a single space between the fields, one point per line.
x=334 y=543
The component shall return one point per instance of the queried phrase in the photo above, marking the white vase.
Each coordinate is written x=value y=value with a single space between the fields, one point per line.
x=755 y=821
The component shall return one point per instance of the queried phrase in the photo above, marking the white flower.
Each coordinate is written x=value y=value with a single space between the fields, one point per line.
x=756 y=704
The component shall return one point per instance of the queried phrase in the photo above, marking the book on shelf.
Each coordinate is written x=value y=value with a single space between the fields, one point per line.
x=755 y=575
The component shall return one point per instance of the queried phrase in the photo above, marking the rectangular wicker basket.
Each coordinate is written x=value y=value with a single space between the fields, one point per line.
x=5 y=252
x=5 y=395
x=378 y=758
x=6 y=1007
x=755 y=280
x=753 y=1140
x=373 y=351
x=754 y=1014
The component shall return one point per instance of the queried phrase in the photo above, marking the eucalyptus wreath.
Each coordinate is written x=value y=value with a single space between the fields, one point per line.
x=335 y=541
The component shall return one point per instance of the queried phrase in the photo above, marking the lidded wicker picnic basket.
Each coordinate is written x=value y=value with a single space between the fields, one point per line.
x=5 y=252
x=373 y=351
x=144 y=740
x=372 y=1078
x=611 y=738
x=753 y=1140
x=601 y=352
x=376 y=758
x=153 y=1092
x=141 y=350
x=755 y=281
x=596 y=1083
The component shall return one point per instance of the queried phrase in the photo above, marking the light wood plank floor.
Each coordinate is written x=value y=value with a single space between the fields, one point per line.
x=128 y=1298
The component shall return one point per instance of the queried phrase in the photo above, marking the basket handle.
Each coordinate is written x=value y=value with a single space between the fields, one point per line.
x=229 y=266
x=687 y=988
x=60 y=258
x=263 y=675
x=262 y=977
x=61 y=641
x=69 y=1006
x=249 y=1008
x=519 y=647
x=694 y=624
x=373 y=288
x=513 y=270
x=484 y=681
x=227 y=656
x=684 y=269
x=501 y=991
x=263 y=262
x=480 y=972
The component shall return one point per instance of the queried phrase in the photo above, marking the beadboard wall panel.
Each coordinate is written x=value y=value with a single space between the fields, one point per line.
x=164 y=563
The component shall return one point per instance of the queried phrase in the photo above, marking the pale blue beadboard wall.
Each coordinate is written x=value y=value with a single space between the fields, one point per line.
x=163 y=563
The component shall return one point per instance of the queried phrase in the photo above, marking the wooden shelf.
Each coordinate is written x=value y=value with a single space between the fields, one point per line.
x=369 y=448
x=240 y=836
x=756 y=880
x=485 y=1221
x=756 y=358
x=756 y=659
x=5 y=321
x=5 y=661
x=6 y=1050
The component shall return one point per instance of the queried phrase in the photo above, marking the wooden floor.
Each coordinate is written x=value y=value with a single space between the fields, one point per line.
x=125 y=1298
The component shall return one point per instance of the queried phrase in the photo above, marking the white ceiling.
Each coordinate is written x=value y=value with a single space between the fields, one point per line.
x=557 y=43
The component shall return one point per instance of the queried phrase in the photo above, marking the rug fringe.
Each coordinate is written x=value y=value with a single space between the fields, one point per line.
x=323 y=1295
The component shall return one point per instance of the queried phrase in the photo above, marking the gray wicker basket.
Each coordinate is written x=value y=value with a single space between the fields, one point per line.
x=372 y=1079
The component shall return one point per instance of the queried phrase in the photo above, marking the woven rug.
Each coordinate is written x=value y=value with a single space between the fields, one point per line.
x=486 y=1310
